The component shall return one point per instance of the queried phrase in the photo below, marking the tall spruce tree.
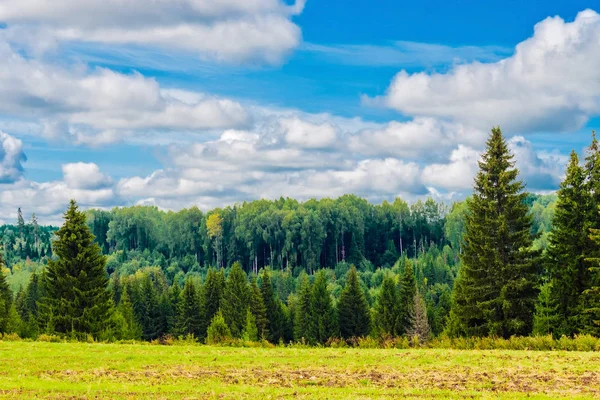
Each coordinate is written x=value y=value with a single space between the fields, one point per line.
x=386 y=308
x=211 y=297
x=566 y=264
x=406 y=299
x=302 y=310
x=322 y=314
x=592 y=295
x=189 y=320
x=236 y=298
x=419 y=323
x=259 y=310
x=274 y=310
x=497 y=286
x=354 y=315
x=77 y=295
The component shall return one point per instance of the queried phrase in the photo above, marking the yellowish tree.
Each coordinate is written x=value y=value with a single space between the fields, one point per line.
x=214 y=227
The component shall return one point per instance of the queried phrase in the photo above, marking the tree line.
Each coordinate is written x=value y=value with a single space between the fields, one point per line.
x=499 y=264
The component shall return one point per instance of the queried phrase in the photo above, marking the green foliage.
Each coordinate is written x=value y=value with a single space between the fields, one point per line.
x=406 y=299
x=77 y=297
x=322 y=318
x=218 y=331
x=250 y=332
x=211 y=297
x=354 y=315
x=386 y=309
x=496 y=290
x=276 y=326
x=188 y=311
x=258 y=310
x=236 y=298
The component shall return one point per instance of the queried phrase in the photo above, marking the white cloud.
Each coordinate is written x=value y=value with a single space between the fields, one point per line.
x=84 y=176
x=539 y=172
x=220 y=29
x=99 y=106
x=11 y=158
x=307 y=135
x=551 y=83
x=458 y=174
x=415 y=139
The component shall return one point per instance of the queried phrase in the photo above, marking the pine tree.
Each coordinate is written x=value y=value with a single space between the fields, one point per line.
x=235 y=300
x=566 y=264
x=218 y=331
x=250 y=332
x=20 y=223
x=77 y=297
x=386 y=309
x=497 y=286
x=258 y=309
x=147 y=310
x=322 y=314
x=419 y=323
x=546 y=317
x=274 y=311
x=133 y=329
x=406 y=299
x=591 y=311
x=302 y=311
x=353 y=309
x=211 y=297
x=188 y=311
x=116 y=288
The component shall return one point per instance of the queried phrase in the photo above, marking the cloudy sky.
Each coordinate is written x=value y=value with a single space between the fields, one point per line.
x=177 y=103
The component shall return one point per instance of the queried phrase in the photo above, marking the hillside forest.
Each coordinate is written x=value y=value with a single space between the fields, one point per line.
x=501 y=263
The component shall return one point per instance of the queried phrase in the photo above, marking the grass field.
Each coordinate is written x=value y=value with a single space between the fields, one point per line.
x=91 y=371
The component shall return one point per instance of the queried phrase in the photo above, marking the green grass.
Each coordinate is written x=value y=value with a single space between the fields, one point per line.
x=119 y=371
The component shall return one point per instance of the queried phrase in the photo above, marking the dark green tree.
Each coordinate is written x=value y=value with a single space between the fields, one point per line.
x=236 y=298
x=77 y=295
x=354 y=315
x=497 y=287
x=189 y=320
x=133 y=330
x=259 y=310
x=386 y=308
x=302 y=310
x=5 y=299
x=273 y=306
x=566 y=264
x=322 y=314
x=546 y=317
x=211 y=297
x=406 y=299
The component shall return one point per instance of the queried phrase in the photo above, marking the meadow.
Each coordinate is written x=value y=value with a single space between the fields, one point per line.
x=42 y=370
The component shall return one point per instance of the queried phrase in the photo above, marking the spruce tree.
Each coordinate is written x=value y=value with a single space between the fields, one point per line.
x=188 y=311
x=354 y=315
x=274 y=311
x=591 y=310
x=566 y=264
x=77 y=298
x=211 y=297
x=497 y=286
x=218 y=331
x=322 y=314
x=406 y=299
x=236 y=299
x=386 y=309
x=547 y=317
x=259 y=310
x=302 y=310
x=133 y=329
x=419 y=323
x=250 y=332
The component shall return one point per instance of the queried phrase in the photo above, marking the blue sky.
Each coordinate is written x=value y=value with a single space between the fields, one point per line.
x=206 y=102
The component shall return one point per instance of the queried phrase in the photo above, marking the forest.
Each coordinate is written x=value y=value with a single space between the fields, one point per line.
x=501 y=263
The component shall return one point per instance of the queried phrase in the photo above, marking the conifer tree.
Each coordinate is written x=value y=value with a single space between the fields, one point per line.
x=188 y=311
x=147 y=310
x=133 y=329
x=77 y=297
x=591 y=310
x=211 y=297
x=274 y=310
x=258 y=309
x=322 y=314
x=218 y=331
x=250 y=332
x=566 y=264
x=302 y=311
x=353 y=310
x=547 y=317
x=406 y=299
x=419 y=323
x=497 y=286
x=386 y=308
x=236 y=299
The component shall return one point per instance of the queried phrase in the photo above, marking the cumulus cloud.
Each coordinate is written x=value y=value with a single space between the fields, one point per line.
x=99 y=106
x=84 y=176
x=219 y=29
x=11 y=158
x=551 y=83
x=457 y=174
